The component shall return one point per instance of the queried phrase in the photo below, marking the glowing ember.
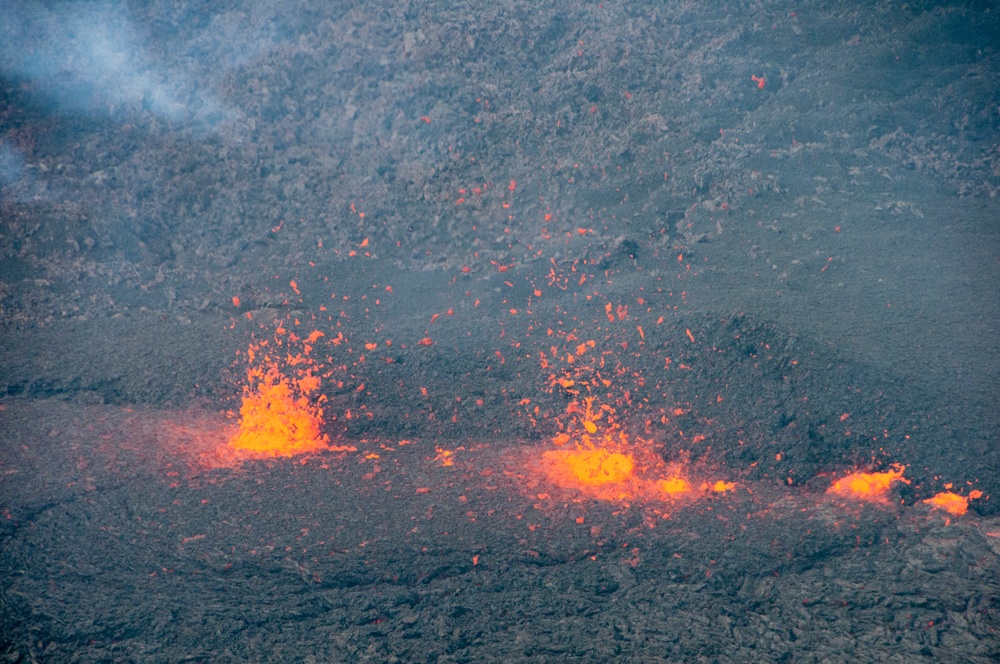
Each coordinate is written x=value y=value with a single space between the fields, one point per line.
x=276 y=422
x=573 y=468
x=584 y=415
x=952 y=503
x=673 y=485
x=598 y=457
x=597 y=473
x=868 y=486
x=278 y=417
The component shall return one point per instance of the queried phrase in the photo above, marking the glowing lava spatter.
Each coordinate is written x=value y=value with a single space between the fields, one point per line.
x=281 y=414
x=614 y=432
x=871 y=487
x=628 y=471
x=953 y=503
x=595 y=455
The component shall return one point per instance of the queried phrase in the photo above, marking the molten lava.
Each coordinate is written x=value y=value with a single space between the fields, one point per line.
x=276 y=422
x=279 y=416
x=952 y=503
x=673 y=486
x=589 y=468
x=596 y=457
x=872 y=487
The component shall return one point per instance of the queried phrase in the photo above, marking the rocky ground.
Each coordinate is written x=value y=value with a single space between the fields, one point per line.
x=776 y=221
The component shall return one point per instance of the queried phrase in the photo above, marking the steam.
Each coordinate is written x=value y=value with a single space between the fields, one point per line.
x=11 y=165
x=90 y=58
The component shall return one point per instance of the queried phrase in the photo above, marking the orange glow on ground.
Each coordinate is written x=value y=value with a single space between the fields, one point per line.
x=952 y=503
x=597 y=458
x=599 y=474
x=673 y=486
x=589 y=468
x=873 y=487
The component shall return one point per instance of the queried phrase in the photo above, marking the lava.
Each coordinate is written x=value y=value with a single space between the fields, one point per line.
x=953 y=503
x=589 y=468
x=275 y=421
x=279 y=416
x=611 y=439
x=871 y=487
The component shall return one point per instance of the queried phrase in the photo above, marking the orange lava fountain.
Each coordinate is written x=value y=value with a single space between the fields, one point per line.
x=280 y=416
